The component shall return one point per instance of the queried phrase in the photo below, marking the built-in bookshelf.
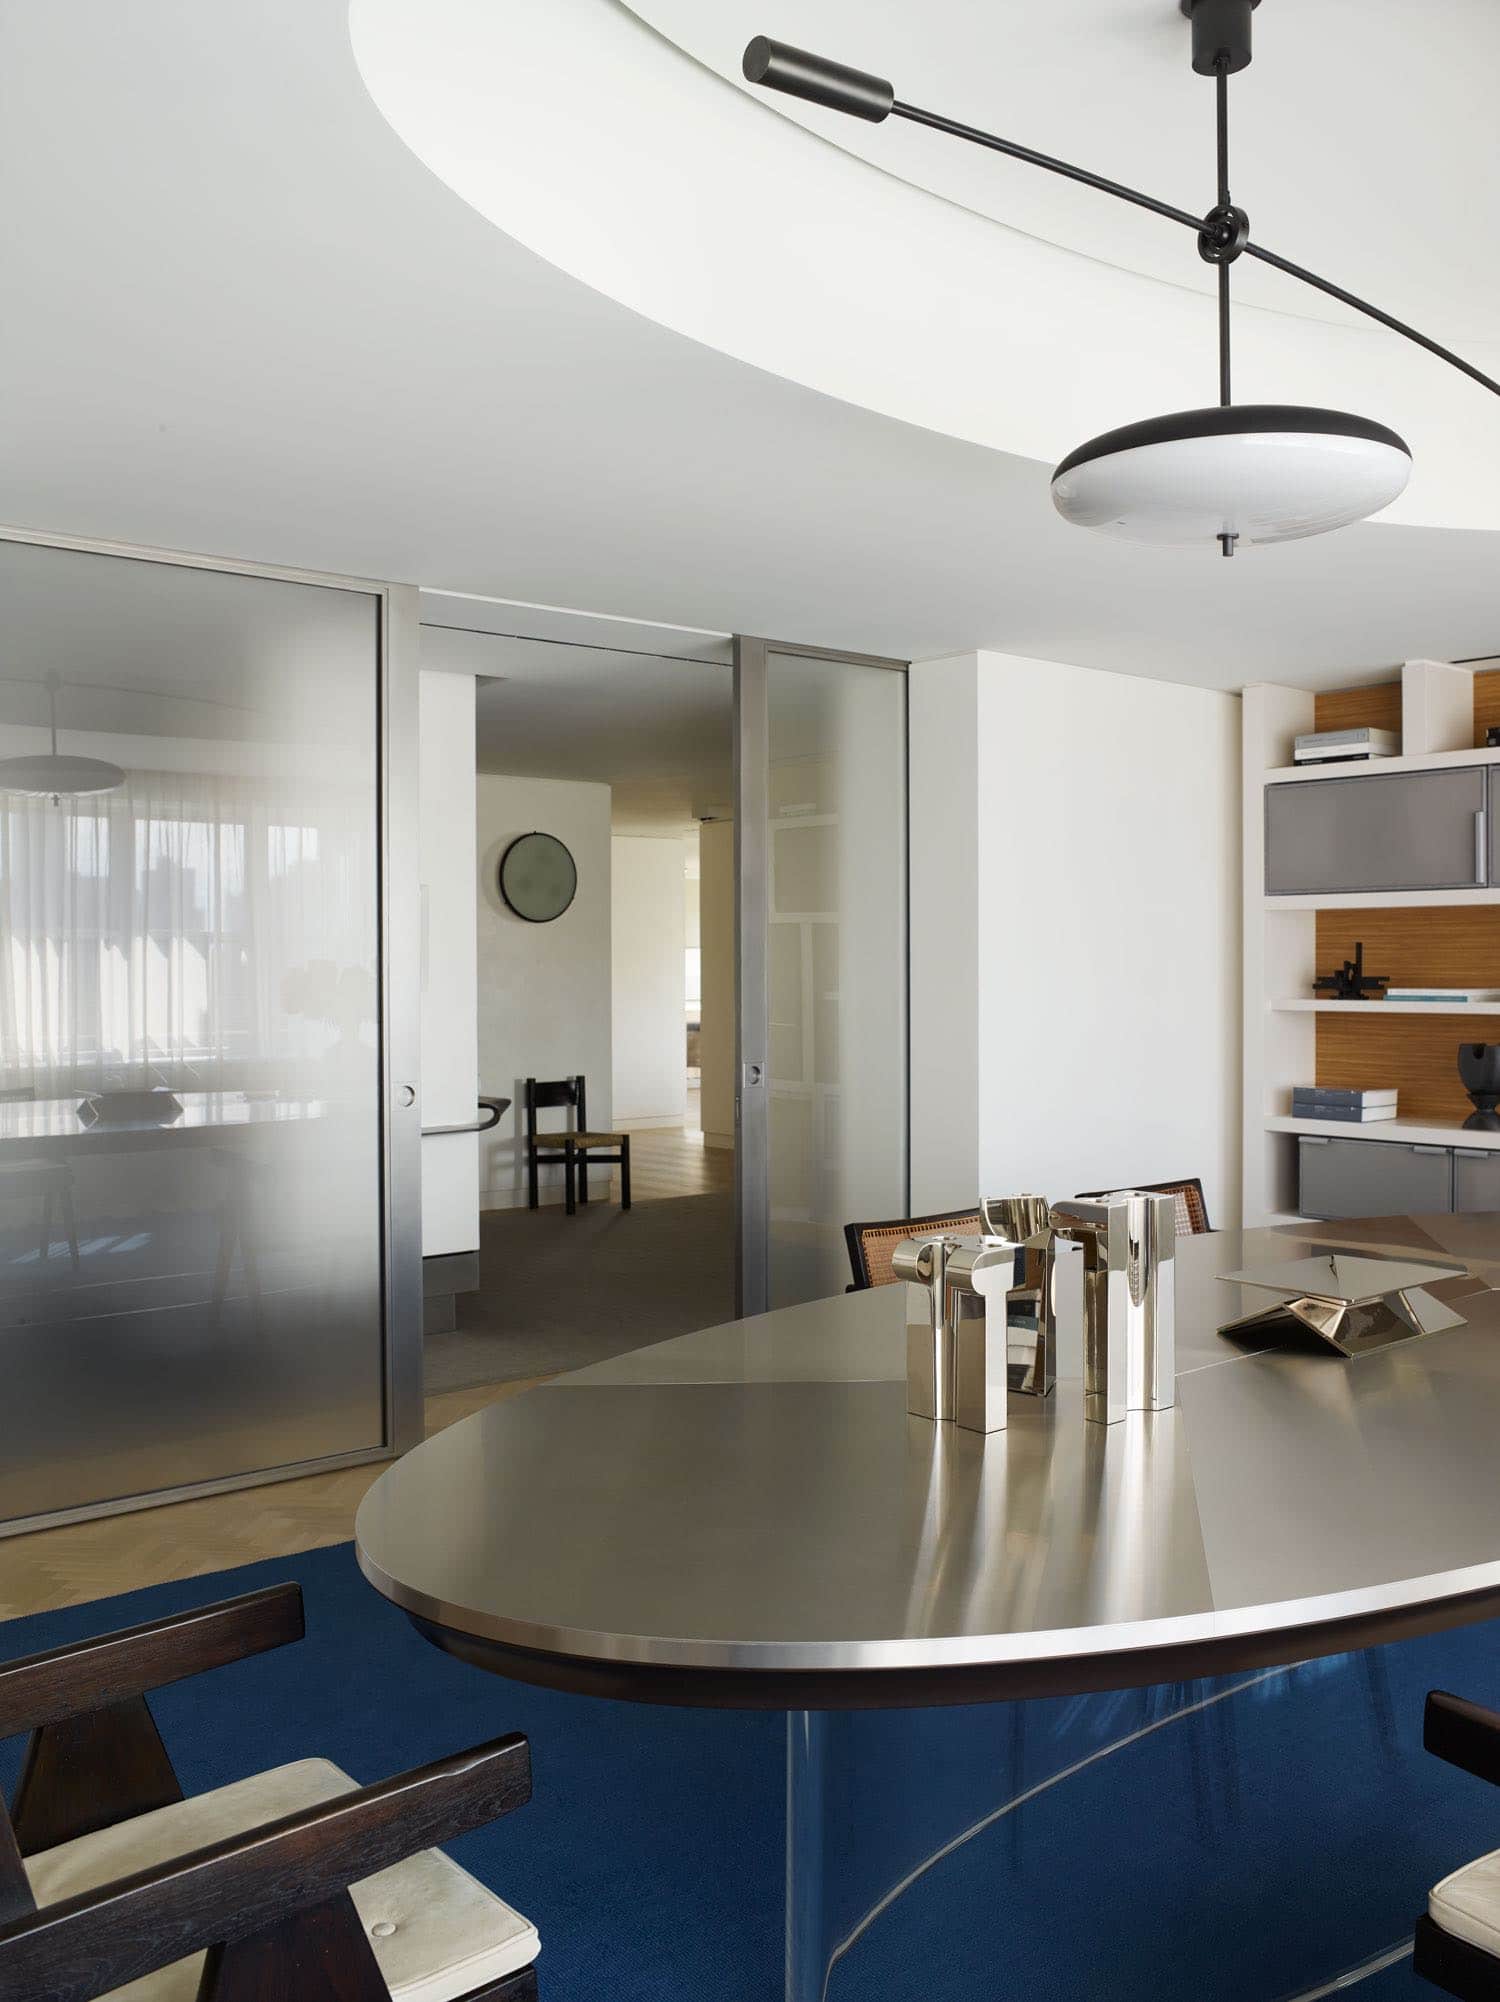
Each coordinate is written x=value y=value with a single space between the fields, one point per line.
x=1419 y=937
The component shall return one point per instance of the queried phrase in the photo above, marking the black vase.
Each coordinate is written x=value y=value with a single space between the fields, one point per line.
x=1479 y=1070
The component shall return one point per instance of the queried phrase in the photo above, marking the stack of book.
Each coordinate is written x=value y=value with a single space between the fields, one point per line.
x=1321 y=1101
x=1327 y=747
x=1446 y=997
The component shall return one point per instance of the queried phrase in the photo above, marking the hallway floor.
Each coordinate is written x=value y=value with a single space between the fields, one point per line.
x=80 y=1561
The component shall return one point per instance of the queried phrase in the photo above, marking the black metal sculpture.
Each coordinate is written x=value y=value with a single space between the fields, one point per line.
x=1351 y=980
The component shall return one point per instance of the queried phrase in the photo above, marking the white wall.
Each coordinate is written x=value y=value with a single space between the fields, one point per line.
x=544 y=990
x=1075 y=943
x=450 y=1045
x=648 y=932
x=716 y=940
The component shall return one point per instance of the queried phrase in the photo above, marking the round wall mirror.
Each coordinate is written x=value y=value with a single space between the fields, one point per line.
x=538 y=878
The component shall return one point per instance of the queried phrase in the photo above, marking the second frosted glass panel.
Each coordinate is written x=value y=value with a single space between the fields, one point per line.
x=836 y=964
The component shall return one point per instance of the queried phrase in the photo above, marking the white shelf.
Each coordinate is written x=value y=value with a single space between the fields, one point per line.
x=1382 y=900
x=1310 y=1007
x=1407 y=1132
x=1434 y=761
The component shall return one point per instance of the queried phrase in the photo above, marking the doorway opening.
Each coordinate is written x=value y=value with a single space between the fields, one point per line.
x=609 y=1011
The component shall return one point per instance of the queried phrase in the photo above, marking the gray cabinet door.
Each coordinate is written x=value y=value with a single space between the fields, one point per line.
x=1494 y=819
x=1349 y=1178
x=1398 y=831
x=1476 y=1179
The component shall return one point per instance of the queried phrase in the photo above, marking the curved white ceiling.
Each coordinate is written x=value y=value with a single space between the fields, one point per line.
x=597 y=142
x=1357 y=134
x=338 y=364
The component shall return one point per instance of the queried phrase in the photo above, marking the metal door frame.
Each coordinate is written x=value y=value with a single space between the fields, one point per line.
x=752 y=1008
x=398 y=649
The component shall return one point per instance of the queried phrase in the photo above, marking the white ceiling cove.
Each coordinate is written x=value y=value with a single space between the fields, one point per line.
x=245 y=319
x=1354 y=131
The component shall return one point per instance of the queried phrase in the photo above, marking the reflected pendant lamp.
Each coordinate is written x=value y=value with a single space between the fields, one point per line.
x=1225 y=474
x=54 y=774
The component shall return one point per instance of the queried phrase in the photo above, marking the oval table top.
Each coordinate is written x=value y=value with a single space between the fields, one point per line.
x=748 y=1516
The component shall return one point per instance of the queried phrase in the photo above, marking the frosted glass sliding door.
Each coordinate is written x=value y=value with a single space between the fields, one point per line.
x=193 y=1154
x=822 y=823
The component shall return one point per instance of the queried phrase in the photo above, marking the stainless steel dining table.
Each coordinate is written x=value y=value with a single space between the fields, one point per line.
x=748 y=1517
x=53 y=1126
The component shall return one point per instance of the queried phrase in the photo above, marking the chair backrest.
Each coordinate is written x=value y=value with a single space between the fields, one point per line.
x=542 y=1092
x=1192 y=1211
x=871 y=1244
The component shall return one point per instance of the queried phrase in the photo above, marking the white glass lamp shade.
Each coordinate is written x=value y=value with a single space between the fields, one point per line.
x=55 y=775
x=1261 y=472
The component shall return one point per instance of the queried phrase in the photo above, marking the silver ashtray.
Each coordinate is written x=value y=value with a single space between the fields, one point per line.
x=1353 y=1301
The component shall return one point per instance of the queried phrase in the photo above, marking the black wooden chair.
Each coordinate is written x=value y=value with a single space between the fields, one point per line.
x=574 y=1145
x=50 y=1182
x=1458 y=1937
x=294 y=1885
x=870 y=1245
x=1192 y=1210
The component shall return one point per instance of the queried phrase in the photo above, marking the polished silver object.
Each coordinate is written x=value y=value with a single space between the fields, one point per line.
x=1031 y=1302
x=979 y=1283
x=768 y=1505
x=931 y=1351
x=980 y=1319
x=1129 y=1292
x=1353 y=1303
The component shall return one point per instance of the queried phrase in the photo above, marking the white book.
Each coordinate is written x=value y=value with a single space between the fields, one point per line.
x=1455 y=994
x=1357 y=742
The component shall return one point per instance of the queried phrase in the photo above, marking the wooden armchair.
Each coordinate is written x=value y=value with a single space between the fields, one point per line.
x=295 y=1885
x=1457 y=1945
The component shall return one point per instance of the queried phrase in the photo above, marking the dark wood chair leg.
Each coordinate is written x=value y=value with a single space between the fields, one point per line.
x=570 y=1184
x=625 y=1173
x=89 y=1772
x=533 y=1195
x=320 y=1955
x=224 y=1258
x=583 y=1174
x=70 y=1222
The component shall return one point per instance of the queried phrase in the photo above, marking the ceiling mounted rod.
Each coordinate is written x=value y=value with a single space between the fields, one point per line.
x=797 y=73
x=916 y=116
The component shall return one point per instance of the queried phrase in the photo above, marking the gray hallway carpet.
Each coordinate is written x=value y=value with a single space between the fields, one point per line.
x=559 y=1291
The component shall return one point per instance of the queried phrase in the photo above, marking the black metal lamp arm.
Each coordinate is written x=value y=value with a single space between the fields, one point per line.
x=1222 y=235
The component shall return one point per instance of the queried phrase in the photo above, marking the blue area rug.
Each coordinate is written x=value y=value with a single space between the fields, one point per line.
x=1260 y=1838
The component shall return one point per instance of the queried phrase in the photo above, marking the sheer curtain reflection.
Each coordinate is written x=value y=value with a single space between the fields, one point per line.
x=184 y=931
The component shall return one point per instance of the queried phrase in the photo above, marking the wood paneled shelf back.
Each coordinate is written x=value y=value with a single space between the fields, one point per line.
x=1377 y=706
x=1456 y=946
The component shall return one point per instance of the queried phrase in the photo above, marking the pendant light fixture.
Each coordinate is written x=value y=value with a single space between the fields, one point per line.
x=53 y=774
x=1229 y=473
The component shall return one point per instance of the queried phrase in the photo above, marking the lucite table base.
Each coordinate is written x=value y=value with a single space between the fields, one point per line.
x=1263 y=1837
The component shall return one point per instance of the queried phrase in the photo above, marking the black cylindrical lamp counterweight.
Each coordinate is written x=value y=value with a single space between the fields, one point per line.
x=778 y=66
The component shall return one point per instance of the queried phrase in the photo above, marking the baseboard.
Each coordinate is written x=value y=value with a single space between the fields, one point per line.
x=718 y=1140
x=629 y=1122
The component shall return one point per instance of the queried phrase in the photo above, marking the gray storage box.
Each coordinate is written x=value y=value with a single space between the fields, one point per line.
x=1352 y=1178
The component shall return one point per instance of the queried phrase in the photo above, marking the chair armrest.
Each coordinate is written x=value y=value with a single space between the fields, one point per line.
x=43 y=1689
x=89 y=1945
x=1463 y=1733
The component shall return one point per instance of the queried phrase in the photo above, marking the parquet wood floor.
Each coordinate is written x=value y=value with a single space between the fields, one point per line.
x=667 y=1161
x=88 y=1560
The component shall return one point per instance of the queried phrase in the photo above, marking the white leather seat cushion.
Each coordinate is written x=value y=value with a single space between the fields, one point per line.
x=450 y=1934
x=1467 y=1904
